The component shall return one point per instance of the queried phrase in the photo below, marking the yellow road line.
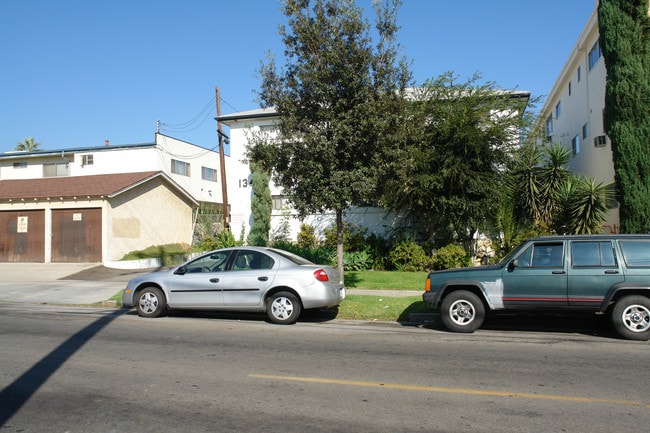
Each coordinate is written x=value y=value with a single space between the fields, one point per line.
x=449 y=390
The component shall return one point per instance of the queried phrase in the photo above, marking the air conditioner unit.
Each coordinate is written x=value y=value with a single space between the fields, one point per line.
x=600 y=141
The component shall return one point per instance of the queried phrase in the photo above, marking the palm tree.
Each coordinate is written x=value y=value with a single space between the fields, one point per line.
x=27 y=145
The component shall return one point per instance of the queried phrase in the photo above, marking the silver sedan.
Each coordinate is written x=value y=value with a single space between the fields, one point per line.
x=244 y=279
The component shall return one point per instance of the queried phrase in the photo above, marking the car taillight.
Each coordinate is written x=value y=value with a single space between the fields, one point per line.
x=321 y=275
x=427 y=285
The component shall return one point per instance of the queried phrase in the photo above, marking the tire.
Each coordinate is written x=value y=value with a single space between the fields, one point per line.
x=462 y=311
x=631 y=317
x=150 y=302
x=283 y=308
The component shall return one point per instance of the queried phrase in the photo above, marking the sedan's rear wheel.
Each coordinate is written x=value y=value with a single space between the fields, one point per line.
x=283 y=308
x=150 y=302
x=462 y=311
x=631 y=317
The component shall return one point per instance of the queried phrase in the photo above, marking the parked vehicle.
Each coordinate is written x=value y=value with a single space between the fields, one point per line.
x=603 y=274
x=268 y=280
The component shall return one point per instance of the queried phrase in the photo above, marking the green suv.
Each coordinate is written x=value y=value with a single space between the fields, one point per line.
x=603 y=274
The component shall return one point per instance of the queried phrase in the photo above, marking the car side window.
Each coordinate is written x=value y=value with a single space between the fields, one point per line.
x=592 y=253
x=542 y=255
x=249 y=260
x=214 y=262
x=636 y=253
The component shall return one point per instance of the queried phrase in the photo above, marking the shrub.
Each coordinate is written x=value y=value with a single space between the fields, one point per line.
x=357 y=261
x=450 y=256
x=223 y=239
x=307 y=237
x=409 y=256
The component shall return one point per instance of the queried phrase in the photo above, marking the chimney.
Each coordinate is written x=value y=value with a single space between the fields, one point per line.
x=106 y=143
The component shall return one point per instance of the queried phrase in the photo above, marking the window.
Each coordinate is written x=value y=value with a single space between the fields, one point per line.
x=279 y=201
x=575 y=145
x=570 y=90
x=549 y=125
x=585 y=131
x=20 y=164
x=594 y=55
x=636 y=253
x=209 y=174
x=87 y=159
x=558 y=110
x=592 y=253
x=180 y=167
x=247 y=260
x=545 y=255
x=579 y=73
x=55 y=169
x=214 y=262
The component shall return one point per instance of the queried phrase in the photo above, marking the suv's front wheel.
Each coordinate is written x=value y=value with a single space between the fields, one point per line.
x=462 y=311
x=631 y=317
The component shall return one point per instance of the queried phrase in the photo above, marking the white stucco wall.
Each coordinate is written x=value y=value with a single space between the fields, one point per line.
x=151 y=214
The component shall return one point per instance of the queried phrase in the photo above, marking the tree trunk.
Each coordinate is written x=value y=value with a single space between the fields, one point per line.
x=339 y=242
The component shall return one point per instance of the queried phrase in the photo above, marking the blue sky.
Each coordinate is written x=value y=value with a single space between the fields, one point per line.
x=78 y=72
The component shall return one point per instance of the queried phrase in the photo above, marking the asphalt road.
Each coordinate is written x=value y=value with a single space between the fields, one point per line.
x=66 y=369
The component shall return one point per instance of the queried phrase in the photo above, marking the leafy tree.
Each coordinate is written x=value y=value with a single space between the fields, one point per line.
x=336 y=98
x=625 y=42
x=261 y=207
x=27 y=145
x=456 y=143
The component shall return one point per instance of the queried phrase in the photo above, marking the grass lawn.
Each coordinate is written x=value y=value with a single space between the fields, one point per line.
x=384 y=308
x=386 y=280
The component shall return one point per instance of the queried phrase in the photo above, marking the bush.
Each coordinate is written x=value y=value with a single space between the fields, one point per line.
x=223 y=239
x=307 y=237
x=169 y=254
x=356 y=261
x=409 y=256
x=318 y=255
x=354 y=238
x=449 y=257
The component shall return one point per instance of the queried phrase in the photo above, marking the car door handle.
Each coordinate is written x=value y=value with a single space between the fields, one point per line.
x=214 y=280
x=611 y=271
x=558 y=272
x=263 y=278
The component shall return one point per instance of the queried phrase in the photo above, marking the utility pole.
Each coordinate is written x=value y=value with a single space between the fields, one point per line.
x=224 y=187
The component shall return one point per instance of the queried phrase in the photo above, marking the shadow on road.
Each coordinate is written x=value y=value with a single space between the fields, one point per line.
x=14 y=396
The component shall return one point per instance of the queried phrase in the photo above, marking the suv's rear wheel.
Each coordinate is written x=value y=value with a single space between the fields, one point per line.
x=462 y=311
x=631 y=317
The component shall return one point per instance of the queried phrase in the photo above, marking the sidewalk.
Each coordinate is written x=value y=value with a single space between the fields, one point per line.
x=88 y=283
x=61 y=283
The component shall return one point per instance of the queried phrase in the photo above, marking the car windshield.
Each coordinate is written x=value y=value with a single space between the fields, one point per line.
x=293 y=257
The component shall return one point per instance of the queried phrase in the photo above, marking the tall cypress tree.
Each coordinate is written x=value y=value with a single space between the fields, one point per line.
x=261 y=207
x=625 y=42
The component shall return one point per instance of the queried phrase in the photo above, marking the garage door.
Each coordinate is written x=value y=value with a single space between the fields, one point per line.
x=77 y=235
x=22 y=236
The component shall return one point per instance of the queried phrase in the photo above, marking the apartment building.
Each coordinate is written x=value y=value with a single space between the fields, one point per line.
x=573 y=112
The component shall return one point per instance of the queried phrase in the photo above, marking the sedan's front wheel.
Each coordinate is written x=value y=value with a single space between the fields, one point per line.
x=150 y=302
x=283 y=308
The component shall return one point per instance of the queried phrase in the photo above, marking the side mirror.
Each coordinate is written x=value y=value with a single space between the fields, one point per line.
x=181 y=270
x=513 y=264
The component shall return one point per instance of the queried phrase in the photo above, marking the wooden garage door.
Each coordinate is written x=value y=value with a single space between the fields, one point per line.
x=77 y=235
x=22 y=236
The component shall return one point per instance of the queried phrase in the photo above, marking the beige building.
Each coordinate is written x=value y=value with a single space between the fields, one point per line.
x=573 y=112
x=96 y=204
